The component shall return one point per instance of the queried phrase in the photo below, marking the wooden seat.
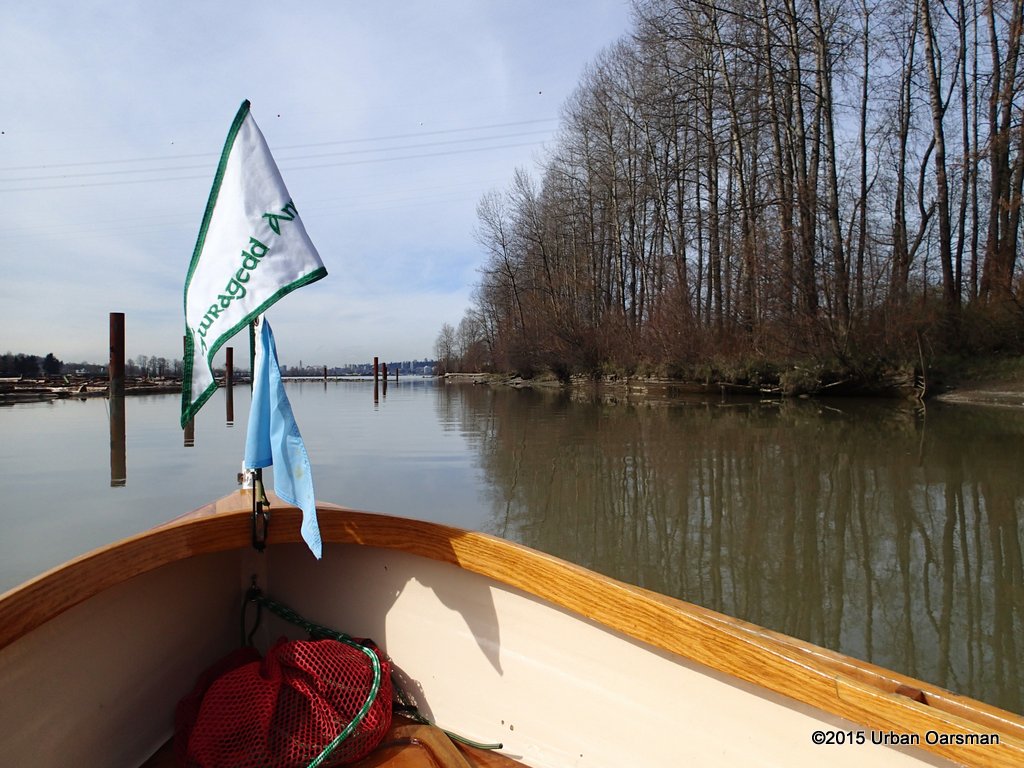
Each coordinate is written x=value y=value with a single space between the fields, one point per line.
x=407 y=744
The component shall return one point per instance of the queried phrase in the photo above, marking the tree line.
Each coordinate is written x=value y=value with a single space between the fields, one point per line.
x=21 y=364
x=31 y=366
x=780 y=180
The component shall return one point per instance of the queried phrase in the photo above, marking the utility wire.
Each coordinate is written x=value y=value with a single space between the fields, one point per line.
x=280 y=159
x=283 y=165
x=115 y=161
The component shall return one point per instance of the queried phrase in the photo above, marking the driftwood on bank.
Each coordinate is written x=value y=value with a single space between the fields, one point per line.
x=18 y=390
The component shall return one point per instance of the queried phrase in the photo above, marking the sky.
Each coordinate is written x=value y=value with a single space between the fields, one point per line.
x=389 y=122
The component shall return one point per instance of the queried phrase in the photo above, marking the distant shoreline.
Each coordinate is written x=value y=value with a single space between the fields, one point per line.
x=16 y=389
x=1005 y=392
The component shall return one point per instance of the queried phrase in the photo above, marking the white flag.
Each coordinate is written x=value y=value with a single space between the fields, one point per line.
x=252 y=250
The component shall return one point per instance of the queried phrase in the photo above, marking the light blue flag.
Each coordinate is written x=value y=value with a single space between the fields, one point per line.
x=273 y=438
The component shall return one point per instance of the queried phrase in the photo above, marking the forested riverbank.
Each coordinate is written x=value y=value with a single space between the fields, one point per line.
x=994 y=381
x=768 y=192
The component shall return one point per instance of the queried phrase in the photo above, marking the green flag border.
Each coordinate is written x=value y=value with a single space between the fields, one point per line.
x=188 y=408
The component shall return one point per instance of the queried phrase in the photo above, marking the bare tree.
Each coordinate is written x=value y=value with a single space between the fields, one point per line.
x=933 y=67
x=1007 y=167
x=445 y=348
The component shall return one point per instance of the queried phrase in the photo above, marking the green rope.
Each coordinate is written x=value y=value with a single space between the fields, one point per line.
x=411 y=711
x=318 y=631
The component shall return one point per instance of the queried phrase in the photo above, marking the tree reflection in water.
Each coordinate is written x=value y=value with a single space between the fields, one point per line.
x=890 y=534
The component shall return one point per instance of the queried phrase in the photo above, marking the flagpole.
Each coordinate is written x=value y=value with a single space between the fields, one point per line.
x=252 y=351
x=260 y=504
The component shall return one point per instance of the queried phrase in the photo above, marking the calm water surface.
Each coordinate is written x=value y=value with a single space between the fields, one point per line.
x=890 y=534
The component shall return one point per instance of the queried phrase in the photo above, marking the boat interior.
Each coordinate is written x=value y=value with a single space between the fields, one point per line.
x=491 y=641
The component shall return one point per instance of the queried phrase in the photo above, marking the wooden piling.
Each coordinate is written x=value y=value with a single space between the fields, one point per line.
x=229 y=385
x=115 y=392
x=118 y=460
x=375 y=371
x=116 y=364
x=190 y=428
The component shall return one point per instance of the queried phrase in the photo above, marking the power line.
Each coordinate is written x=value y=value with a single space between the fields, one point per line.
x=88 y=174
x=283 y=165
x=117 y=161
x=353 y=202
x=424 y=133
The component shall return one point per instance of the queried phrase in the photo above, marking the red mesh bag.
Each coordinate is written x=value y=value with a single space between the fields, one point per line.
x=287 y=710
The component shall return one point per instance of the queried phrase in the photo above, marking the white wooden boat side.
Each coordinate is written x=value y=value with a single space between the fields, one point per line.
x=96 y=686
x=735 y=684
x=496 y=663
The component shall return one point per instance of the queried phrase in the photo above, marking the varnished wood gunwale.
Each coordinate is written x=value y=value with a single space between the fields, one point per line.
x=860 y=692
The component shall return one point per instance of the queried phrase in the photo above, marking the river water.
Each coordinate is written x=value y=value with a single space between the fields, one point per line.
x=890 y=533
